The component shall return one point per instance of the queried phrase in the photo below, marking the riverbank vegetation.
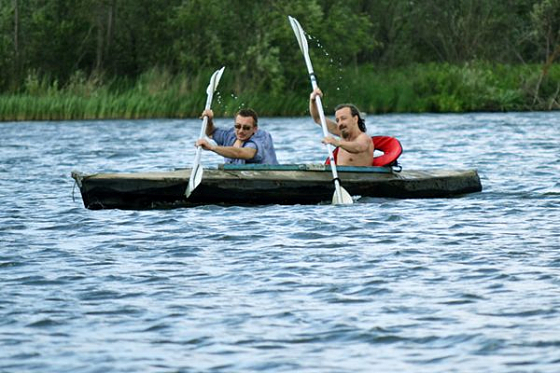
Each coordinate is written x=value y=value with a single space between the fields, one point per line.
x=85 y=59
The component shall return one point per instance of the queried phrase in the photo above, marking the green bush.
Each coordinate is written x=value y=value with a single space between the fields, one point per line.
x=419 y=88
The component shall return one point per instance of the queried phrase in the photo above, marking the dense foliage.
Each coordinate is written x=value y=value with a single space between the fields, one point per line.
x=79 y=48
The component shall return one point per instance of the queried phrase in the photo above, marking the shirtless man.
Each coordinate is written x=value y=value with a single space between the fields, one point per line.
x=355 y=145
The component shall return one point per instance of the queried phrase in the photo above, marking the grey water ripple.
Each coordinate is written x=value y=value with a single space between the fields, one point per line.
x=465 y=284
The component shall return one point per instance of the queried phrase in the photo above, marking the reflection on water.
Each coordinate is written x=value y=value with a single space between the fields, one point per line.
x=439 y=285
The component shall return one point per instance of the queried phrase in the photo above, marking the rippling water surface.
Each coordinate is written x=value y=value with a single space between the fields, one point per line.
x=469 y=284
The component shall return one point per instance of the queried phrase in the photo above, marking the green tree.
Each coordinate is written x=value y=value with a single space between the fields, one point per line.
x=546 y=33
x=8 y=37
x=545 y=18
x=253 y=39
x=462 y=30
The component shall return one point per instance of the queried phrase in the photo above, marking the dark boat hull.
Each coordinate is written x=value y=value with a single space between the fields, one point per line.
x=261 y=184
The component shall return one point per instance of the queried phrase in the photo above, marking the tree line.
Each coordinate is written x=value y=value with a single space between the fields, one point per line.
x=59 y=41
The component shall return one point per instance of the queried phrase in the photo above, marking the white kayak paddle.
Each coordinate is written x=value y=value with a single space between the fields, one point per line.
x=197 y=170
x=341 y=196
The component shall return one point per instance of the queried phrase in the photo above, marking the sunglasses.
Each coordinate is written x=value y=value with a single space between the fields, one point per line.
x=245 y=128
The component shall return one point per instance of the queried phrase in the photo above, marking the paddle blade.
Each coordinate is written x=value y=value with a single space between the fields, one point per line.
x=214 y=81
x=195 y=179
x=300 y=34
x=345 y=198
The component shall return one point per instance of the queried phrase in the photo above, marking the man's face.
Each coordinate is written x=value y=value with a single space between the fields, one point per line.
x=345 y=121
x=244 y=128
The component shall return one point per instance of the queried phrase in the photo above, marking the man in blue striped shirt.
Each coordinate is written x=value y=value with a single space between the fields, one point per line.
x=243 y=143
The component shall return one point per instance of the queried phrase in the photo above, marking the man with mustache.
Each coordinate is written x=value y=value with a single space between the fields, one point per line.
x=355 y=145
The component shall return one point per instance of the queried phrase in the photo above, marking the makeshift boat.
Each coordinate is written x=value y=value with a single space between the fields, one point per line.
x=256 y=184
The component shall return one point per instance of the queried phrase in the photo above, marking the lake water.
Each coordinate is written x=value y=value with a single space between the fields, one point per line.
x=468 y=284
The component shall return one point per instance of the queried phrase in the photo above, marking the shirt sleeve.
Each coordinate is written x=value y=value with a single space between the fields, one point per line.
x=253 y=145
x=265 y=148
x=219 y=136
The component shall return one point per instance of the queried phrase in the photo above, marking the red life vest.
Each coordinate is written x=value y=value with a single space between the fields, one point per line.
x=390 y=146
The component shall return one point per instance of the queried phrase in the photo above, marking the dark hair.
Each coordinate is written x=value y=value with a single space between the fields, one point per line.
x=249 y=113
x=355 y=112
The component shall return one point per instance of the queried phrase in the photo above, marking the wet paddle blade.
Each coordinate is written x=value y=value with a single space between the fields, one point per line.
x=214 y=80
x=195 y=179
x=345 y=199
x=300 y=34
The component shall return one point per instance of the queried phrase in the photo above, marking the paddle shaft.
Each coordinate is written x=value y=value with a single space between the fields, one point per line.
x=330 y=148
x=202 y=133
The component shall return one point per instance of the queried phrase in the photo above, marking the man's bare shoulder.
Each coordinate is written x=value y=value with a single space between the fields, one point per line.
x=363 y=137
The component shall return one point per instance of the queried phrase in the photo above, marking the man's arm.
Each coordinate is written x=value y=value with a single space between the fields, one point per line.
x=210 y=125
x=314 y=111
x=234 y=152
x=359 y=145
x=228 y=151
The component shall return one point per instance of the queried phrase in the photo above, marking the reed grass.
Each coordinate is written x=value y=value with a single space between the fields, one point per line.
x=451 y=88
x=417 y=88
